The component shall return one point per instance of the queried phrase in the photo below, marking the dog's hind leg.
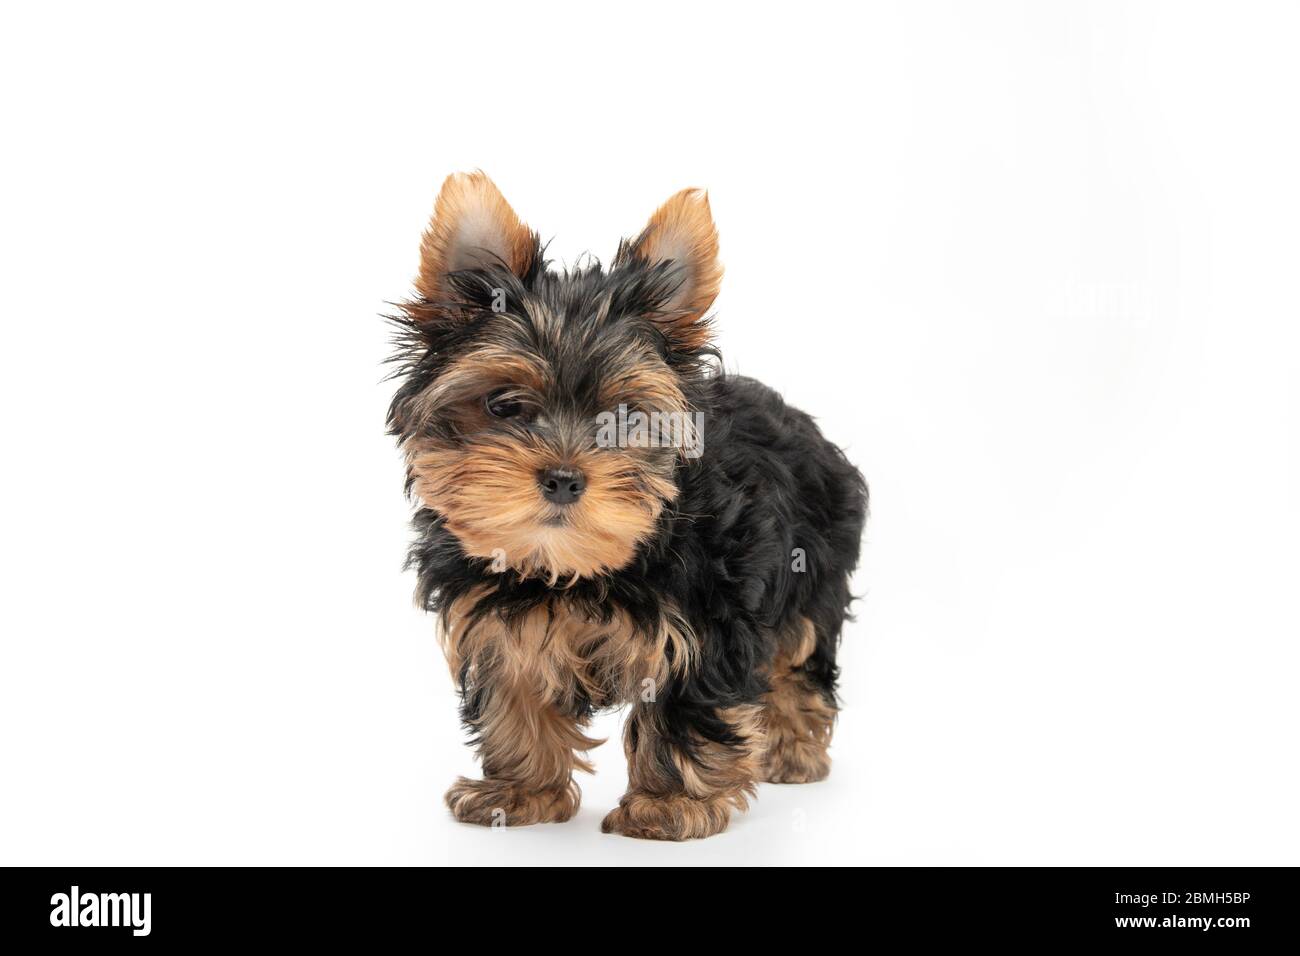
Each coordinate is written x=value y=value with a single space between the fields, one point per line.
x=798 y=712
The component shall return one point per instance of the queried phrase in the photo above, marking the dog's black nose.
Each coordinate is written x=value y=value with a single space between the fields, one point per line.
x=561 y=486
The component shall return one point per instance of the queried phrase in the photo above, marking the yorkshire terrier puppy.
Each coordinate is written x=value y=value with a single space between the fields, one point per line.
x=607 y=519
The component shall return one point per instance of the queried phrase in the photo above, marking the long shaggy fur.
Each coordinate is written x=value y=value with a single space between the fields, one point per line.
x=707 y=593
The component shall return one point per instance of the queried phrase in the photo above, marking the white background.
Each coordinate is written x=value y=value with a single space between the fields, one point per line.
x=1033 y=265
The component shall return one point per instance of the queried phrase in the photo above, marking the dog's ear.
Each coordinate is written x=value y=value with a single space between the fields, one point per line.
x=473 y=227
x=681 y=235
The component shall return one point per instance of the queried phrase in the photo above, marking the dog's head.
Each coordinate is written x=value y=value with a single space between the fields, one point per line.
x=543 y=413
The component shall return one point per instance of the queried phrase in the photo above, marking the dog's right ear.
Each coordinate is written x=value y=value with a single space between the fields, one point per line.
x=473 y=227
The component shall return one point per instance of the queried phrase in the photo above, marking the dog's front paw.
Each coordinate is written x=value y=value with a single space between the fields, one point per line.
x=505 y=803
x=675 y=817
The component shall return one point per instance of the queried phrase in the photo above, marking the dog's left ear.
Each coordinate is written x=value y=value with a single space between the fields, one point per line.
x=681 y=233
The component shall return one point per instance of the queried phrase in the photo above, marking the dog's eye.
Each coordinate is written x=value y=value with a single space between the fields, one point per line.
x=500 y=405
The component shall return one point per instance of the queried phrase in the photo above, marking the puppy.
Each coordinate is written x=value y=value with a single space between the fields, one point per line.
x=606 y=519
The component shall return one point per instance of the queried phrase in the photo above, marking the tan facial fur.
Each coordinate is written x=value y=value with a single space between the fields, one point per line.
x=486 y=490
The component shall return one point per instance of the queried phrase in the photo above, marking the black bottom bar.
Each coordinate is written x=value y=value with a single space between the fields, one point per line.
x=1230 y=907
